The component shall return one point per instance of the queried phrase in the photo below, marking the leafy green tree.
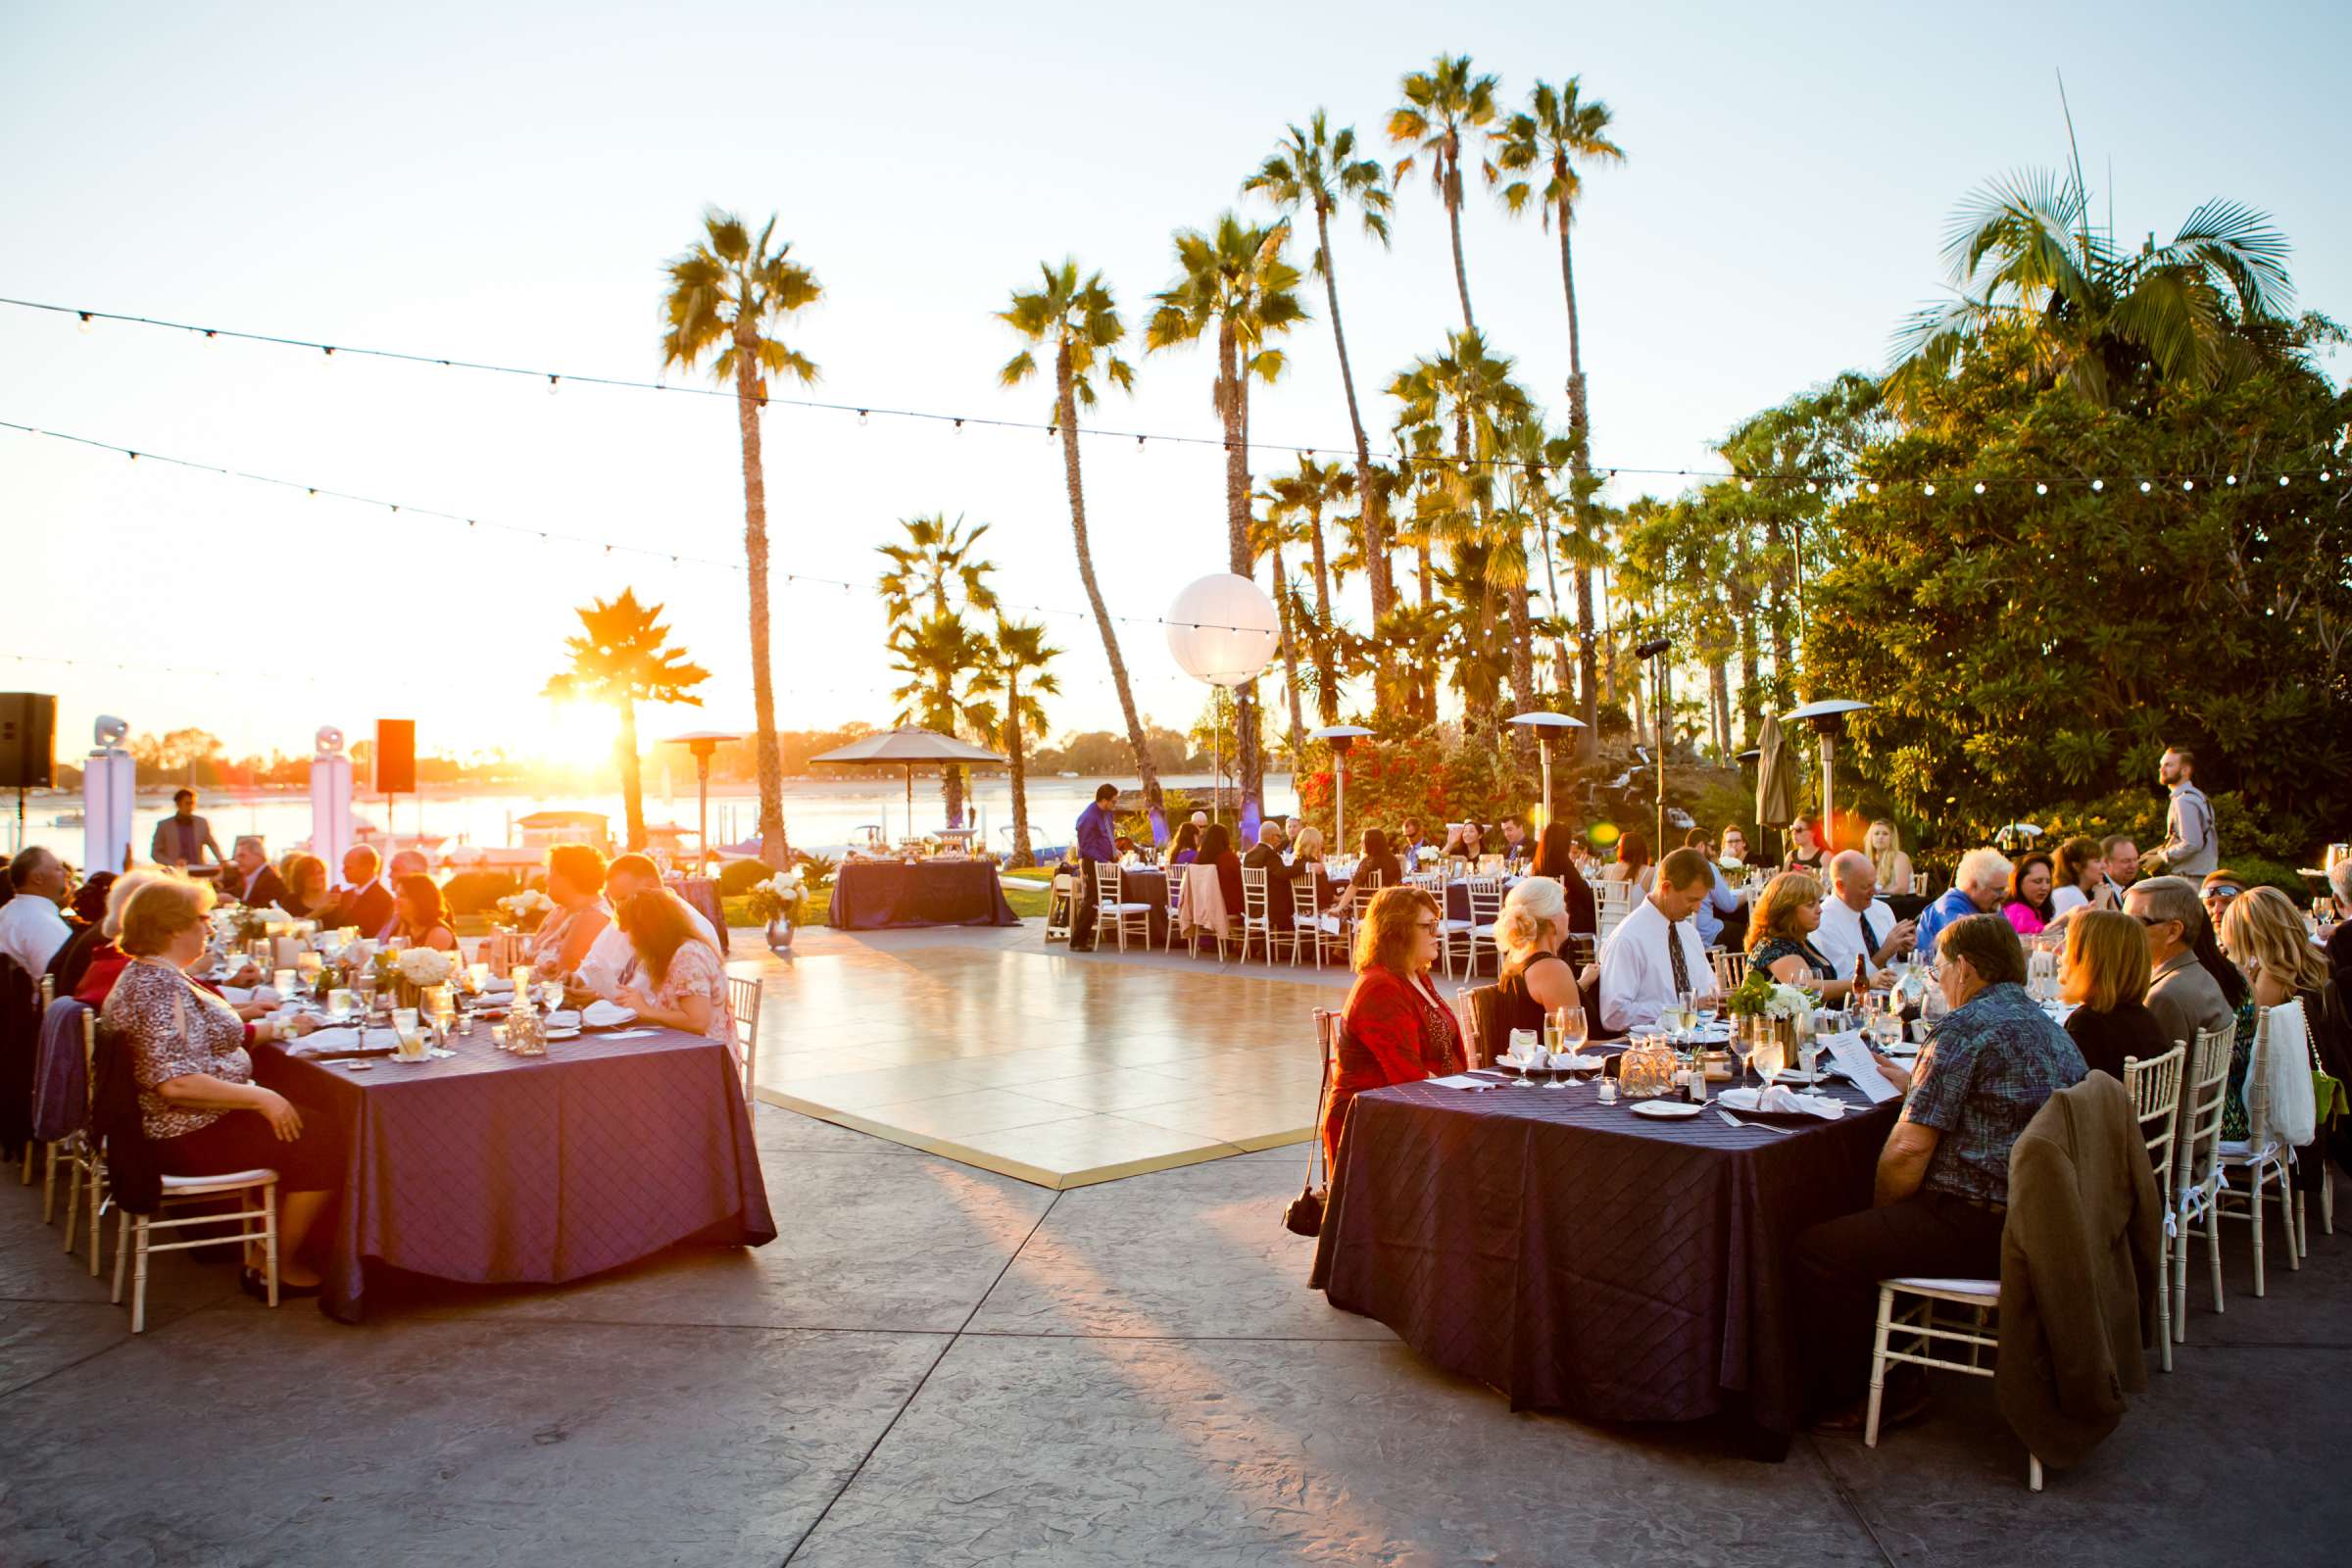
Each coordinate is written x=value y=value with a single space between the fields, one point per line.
x=623 y=657
x=731 y=293
x=1013 y=675
x=1307 y=495
x=1079 y=323
x=1440 y=104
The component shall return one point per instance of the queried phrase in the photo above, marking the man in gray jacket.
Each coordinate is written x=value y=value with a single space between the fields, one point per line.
x=2190 y=848
x=2183 y=998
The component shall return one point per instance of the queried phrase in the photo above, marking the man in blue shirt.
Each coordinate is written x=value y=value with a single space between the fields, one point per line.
x=1098 y=840
x=1978 y=888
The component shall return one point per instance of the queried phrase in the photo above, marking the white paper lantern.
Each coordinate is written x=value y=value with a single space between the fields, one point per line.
x=1223 y=629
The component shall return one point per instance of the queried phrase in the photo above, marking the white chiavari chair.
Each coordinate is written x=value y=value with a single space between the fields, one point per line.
x=2263 y=1154
x=2195 y=1192
x=2155 y=1088
x=1114 y=911
x=743 y=1000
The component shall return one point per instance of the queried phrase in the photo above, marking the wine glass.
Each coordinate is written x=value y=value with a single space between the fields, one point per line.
x=1743 y=1046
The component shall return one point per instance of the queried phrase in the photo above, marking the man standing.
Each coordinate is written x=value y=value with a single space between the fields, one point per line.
x=1654 y=954
x=2182 y=995
x=2190 y=848
x=1980 y=886
x=2121 y=857
x=251 y=879
x=183 y=839
x=31 y=930
x=1856 y=922
x=1097 y=843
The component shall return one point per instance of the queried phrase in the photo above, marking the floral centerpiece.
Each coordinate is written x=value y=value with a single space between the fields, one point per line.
x=1767 y=1009
x=521 y=911
x=424 y=967
x=778 y=903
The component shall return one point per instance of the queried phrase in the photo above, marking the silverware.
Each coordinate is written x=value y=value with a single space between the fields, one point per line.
x=1748 y=1126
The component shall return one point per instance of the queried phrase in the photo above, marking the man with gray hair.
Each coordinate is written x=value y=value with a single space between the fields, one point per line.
x=1856 y=923
x=251 y=879
x=363 y=902
x=2182 y=995
x=1978 y=888
x=32 y=927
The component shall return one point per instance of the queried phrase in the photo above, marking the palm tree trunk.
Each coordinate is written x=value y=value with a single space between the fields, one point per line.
x=769 y=759
x=1066 y=403
x=1376 y=541
x=1290 y=651
x=1783 y=617
x=1014 y=756
x=632 y=782
x=1327 y=678
x=1522 y=673
x=1580 y=468
x=1421 y=561
x=1719 y=706
x=1235 y=409
x=1454 y=220
x=1562 y=683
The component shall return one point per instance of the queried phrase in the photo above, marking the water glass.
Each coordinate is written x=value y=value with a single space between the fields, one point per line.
x=1570 y=1027
x=477 y=977
x=282 y=981
x=340 y=1002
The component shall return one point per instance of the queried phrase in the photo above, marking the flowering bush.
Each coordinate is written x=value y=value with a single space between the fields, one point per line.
x=523 y=910
x=424 y=966
x=779 y=896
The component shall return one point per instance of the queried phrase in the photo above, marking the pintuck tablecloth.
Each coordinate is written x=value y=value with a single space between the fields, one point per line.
x=1581 y=1258
x=872 y=895
x=494 y=1168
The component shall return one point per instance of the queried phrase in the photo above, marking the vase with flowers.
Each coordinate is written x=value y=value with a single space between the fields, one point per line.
x=778 y=902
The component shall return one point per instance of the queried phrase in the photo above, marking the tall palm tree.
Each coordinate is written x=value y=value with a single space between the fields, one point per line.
x=622 y=659
x=1306 y=494
x=1559 y=129
x=1315 y=169
x=941 y=658
x=1014 y=667
x=2112 y=323
x=732 y=293
x=1079 y=323
x=1439 y=103
x=1531 y=454
x=1270 y=530
x=1235 y=280
x=937 y=555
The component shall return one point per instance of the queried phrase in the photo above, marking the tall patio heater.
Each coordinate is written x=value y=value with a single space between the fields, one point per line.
x=1828 y=719
x=1342 y=738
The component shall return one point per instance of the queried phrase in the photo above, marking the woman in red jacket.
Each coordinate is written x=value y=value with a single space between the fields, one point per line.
x=1397 y=1029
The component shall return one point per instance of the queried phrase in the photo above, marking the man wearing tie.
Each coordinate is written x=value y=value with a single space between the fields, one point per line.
x=252 y=880
x=1654 y=954
x=1856 y=922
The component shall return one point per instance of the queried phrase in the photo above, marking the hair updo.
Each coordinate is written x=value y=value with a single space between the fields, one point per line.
x=1528 y=913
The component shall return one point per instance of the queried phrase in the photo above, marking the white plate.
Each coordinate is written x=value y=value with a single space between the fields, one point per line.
x=562 y=1033
x=1666 y=1109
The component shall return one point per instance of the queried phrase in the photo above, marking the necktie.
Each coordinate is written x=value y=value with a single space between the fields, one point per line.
x=1870 y=935
x=1682 y=966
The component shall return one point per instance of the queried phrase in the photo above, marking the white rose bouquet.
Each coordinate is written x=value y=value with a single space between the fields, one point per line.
x=779 y=896
x=424 y=966
x=525 y=909
x=1789 y=1001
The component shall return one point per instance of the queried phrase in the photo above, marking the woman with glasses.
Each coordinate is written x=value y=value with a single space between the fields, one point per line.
x=1397 y=1029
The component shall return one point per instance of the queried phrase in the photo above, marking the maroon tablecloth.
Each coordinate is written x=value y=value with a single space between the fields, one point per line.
x=494 y=1168
x=880 y=894
x=1579 y=1257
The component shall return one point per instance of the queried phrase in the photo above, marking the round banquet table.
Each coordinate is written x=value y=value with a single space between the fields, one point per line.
x=1579 y=1257
x=876 y=895
x=488 y=1167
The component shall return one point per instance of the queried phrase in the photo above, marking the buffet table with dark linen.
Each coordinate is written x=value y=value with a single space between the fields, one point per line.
x=876 y=895
x=500 y=1169
x=1579 y=1257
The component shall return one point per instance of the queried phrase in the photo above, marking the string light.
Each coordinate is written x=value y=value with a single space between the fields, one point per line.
x=2040 y=489
x=89 y=323
x=1929 y=487
x=2189 y=484
x=2099 y=484
x=1979 y=487
x=552 y=383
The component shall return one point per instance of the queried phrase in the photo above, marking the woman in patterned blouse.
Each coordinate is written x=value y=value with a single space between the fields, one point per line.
x=1397 y=1029
x=203 y=1112
x=688 y=984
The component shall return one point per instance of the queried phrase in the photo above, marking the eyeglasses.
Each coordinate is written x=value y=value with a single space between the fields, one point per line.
x=1425 y=925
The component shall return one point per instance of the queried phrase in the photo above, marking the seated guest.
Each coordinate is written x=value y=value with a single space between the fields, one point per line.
x=1856 y=923
x=89 y=911
x=1123 y=848
x=2119 y=861
x=1516 y=845
x=1187 y=846
x=203 y=1112
x=1735 y=852
x=680 y=982
x=1217 y=849
x=1979 y=887
x=1411 y=844
x=2339 y=941
x=575 y=884
x=1780 y=937
x=251 y=879
x=365 y=901
x=2192 y=986
x=1267 y=856
x=307 y=890
x=1804 y=845
x=1632 y=864
x=2105 y=974
x=106 y=960
x=612 y=960
x=1655 y=954
x=1888 y=863
x=2026 y=904
x=418 y=916
x=2078 y=878
x=1724 y=906
x=1465 y=841
x=1942 y=1185
x=1375 y=861
x=1397 y=1030
x=2263 y=936
x=1533 y=978
x=2218 y=891
x=32 y=928
x=1307 y=864
x=1556 y=858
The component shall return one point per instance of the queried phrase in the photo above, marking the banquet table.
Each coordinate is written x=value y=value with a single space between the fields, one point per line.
x=876 y=895
x=494 y=1168
x=1579 y=1257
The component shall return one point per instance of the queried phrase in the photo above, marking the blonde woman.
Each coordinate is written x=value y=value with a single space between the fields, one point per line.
x=1399 y=1029
x=1780 y=936
x=2265 y=937
x=1885 y=846
x=1533 y=978
x=2105 y=974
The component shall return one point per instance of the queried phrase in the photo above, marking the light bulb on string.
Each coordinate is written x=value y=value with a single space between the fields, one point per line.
x=862 y=421
x=1874 y=487
x=2322 y=476
x=552 y=383
x=1979 y=487
x=1747 y=484
x=2040 y=489
x=2145 y=487
x=1811 y=488
x=210 y=335
x=2282 y=481
x=2099 y=484
x=2230 y=479
x=2189 y=484
x=89 y=323
x=1929 y=488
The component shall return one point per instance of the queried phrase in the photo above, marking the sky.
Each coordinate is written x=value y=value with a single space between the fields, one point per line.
x=504 y=183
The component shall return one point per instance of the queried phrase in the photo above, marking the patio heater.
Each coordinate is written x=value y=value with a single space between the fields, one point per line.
x=702 y=743
x=1342 y=738
x=1828 y=720
x=1544 y=725
x=1655 y=652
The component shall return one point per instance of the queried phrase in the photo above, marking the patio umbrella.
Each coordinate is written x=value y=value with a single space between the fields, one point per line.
x=905 y=747
x=1776 y=777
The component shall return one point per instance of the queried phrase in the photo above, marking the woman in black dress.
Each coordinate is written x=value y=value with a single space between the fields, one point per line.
x=1555 y=857
x=1533 y=978
x=2105 y=974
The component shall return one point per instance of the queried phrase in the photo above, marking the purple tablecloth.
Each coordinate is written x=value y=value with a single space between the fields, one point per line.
x=872 y=895
x=494 y=1168
x=1579 y=1257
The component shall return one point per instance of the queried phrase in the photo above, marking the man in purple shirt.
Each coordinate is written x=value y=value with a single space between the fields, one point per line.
x=1098 y=840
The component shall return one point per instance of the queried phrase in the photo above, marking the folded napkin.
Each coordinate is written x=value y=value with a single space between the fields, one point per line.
x=496 y=986
x=1556 y=1060
x=563 y=1018
x=324 y=1042
x=1781 y=1101
x=602 y=1015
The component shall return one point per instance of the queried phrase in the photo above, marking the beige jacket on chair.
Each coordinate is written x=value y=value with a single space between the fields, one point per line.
x=2079 y=1274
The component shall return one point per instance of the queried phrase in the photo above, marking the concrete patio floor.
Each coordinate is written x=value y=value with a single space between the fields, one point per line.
x=937 y=1364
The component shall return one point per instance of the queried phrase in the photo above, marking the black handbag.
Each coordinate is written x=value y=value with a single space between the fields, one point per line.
x=1303 y=1215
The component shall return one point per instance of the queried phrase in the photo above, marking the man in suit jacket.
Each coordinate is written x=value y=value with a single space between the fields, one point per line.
x=252 y=880
x=1266 y=857
x=363 y=901
x=2181 y=993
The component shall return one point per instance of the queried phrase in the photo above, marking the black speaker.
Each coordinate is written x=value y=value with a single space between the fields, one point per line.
x=395 y=756
x=28 y=735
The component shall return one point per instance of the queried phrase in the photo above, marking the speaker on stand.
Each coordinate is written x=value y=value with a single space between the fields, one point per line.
x=394 y=767
x=27 y=739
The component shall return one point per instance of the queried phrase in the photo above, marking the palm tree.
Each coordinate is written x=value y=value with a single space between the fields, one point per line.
x=941 y=658
x=914 y=588
x=1236 y=280
x=731 y=293
x=1315 y=169
x=624 y=659
x=1270 y=530
x=1306 y=493
x=1015 y=666
x=1081 y=322
x=1531 y=455
x=1559 y=129
x=1437 y=104
x=2113 y=325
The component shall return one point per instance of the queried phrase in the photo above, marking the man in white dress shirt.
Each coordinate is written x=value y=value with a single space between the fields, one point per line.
x=32 y=929
x=612 y=963
x=1856 y=922
x=1655 y=951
